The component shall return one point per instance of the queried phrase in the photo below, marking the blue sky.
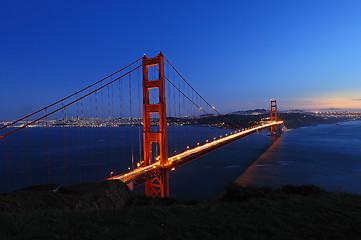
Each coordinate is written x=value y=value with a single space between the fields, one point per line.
x=237 y=54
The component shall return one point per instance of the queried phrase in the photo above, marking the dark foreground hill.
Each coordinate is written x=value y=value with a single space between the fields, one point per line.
x=110 y=211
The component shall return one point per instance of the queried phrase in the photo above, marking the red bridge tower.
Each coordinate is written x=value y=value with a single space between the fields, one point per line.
x=274 y=116
x=158 y=186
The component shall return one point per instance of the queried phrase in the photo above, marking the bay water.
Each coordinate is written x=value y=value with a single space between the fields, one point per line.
x=327 y=155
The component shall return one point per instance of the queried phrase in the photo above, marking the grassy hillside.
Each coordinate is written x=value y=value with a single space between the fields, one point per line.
x=303 y=212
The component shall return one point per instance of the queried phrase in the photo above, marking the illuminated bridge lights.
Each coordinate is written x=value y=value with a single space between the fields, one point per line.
x=177 y=159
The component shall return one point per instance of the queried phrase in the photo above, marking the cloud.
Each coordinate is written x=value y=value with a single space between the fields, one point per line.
x=359 y=99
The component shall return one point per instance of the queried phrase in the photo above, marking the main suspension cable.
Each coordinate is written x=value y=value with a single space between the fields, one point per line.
x=64 y=106
x=212 y=107
x=200 y=108
x=72 y=95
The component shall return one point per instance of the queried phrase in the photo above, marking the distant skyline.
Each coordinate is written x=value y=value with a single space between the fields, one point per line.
x=237 y=54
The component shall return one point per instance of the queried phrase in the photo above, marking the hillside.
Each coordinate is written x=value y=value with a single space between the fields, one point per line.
x=303 y=212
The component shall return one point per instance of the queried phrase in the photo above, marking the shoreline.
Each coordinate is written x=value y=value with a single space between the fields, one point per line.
x=317 y=124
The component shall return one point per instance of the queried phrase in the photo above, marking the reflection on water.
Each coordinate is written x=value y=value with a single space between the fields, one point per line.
x=326 y=155
x=207 y=177
x=251 y=173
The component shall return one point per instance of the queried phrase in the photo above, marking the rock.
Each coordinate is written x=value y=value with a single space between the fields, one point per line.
x=107 y=194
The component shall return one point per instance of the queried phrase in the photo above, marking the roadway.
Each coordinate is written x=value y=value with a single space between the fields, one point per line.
x=178 y=160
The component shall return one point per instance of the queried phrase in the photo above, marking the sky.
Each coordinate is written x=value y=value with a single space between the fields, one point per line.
x=237 y=54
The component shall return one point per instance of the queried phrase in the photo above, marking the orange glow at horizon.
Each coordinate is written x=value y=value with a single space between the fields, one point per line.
x=337 y=103
x=343 y=101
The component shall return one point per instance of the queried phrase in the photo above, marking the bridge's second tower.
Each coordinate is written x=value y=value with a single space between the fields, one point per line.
x=274 y=116
x=158 y=186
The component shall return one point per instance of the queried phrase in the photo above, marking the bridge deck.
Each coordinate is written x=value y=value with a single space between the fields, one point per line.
x=142 y=174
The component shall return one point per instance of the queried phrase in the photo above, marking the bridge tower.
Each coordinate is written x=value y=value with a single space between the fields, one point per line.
x=158 y=186
x=274 y=116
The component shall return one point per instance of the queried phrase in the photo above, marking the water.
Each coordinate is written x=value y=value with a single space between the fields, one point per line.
x=207 y=177
x=326 y=155
x=77 y=155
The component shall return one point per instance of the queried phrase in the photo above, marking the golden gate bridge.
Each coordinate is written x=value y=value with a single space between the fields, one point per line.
x=51 y=143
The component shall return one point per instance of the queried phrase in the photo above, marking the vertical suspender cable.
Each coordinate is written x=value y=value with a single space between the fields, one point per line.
x=198 y=125
x=110 y=129
x=92 y=152
x=131 y=117
x=90 y=108
x=103 y=131
x=82 y=159
x=65 y=145
x=112 y=125
x=175 y=118
x=139 y=114
x=27 y=151
x=179 y=116
x=113 y=117
x=121 y=112
x=79 y=137
x=97 y=132
x=184 y=114
x=168 y=97
x=7 y=162
x=25 y=160
x=66 y=150
x=101 y=99
x=47 y=145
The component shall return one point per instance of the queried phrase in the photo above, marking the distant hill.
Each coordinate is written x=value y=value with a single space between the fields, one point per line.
x=250 y=112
